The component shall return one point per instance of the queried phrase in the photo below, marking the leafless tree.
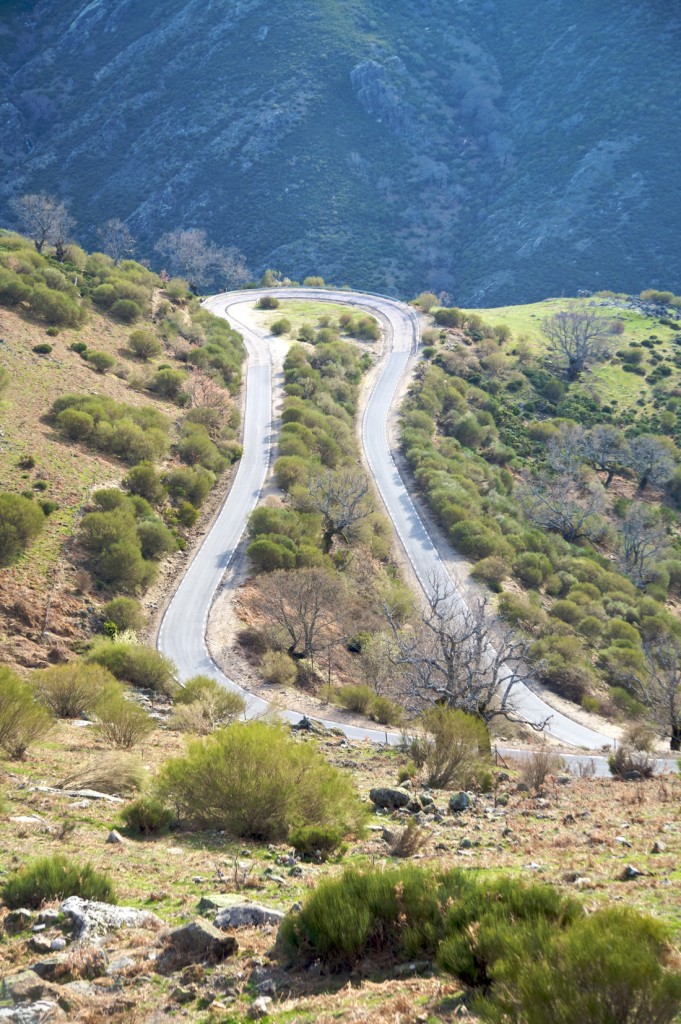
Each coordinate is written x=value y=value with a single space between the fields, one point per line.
x=341 y=497
x=307 y=604
x=643 y=543
x=192 y=255
x=563 y=504
x=117 y=241
x=652 y=458
x=566 y=453
x=577 y=336
x=455 y=656
x=45 y=219
x=658 y=685
x=606 y=449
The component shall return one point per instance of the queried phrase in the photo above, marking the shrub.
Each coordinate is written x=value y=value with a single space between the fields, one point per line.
x=147 y=816
x=254 y=781
x=281 y=326
x=22 y=720
x=537 y=766
x=125 y=613
x=267 y=555
x=189 y=484
x=452 y=748
x=475 y=540
x=135 y=664
x=278 y=668
x=156 y=540
x=110 y=772
x=203 y=705
x=75 y=424
x=316 y=841
x=167 y=383
x=126 y=310
x=607 y=967
x=492 y=571
x=71 y=690
x=101 y=361
x=409 y=840
x=21 y=520
x=355 y=698
x=56 y=877
x=449 y=317
x=385 y=711
x=625 y=760
x=145 y=481
x=122 y=723
x=43 y=349
x=13 y=289
x=54 y=307
x=267 y=302
x=144 y=345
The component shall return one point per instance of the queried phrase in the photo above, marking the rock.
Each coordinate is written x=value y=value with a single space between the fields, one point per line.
x=502 y=800
x=38 y=928
x=441 y=846
x=40 y=945
x=58 y=944
x=459 y=802
x=26 y=987
x=198 y=939
x=49 y=916
x=632 y=776
x=426 y=799
x=296 y=872
x=43 y=1010
x=114 y=836
x=390 y=797
x=260 y=1008
x=623 y=841
x=93 y=918
x=503 y=777
x=522 y=787
x=630 y=872
x=563 y=780
x=18 y=921
x=465 y=844
x=247 y=915
x=183 y=995
x=119 y=965
x=658 y=847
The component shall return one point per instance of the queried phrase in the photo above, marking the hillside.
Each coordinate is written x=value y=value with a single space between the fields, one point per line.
x=474 y=148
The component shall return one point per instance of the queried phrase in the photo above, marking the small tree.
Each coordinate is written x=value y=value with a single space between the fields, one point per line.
x=566 y=505
x=606 y=449
x=656 y=683
x=45 y=219
x=644 y=543
x=652 y=458
x=342 y=499
x=426 y=301
x=455 y=656
x=117 y=241
x=307 y=604
x=576 y=337
x=194 y=257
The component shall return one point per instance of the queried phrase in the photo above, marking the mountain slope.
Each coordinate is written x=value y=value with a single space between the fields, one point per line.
x=497 y=152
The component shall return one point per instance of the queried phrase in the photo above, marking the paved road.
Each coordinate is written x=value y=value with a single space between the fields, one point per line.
x=182 y=632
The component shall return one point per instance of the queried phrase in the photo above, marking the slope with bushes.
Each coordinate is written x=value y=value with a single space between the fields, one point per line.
x=546 y=485
x=108 y=396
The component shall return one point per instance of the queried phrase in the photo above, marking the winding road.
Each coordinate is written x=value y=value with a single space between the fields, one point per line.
x=182 y=635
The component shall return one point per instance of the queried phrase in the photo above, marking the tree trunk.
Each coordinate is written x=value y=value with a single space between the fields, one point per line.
x=611 y=474
x=575 y=367
x=644 y=481
x=675 y=742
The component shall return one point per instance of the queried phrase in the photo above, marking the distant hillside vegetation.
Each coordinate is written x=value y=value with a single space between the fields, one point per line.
x=499 y=152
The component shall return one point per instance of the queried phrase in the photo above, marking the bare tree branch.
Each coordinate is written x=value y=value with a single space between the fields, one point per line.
x=45 y=219
x=193 y=256
x=342 y=499
x=577 y=336
x=117 y=241
x=643 y=543
x=307 y=604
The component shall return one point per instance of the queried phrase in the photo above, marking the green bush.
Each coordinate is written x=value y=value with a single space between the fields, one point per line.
x=281 y=326
x=385 y=711
x=409 y=913
x=144 y=344
x=71 y=690
x=125 y=613
x=126 y=310
x=135 y=664
x=316 y=841
x=156 y=540
x=607 y=967
x=122 y=723
x=56 y=877
x=449 y=317
x=355 y=697
x=475 y=540
x=453 y=748
x=102 y=361
x=203 y=705
x=55 y=307
x=145 y=481
x=43 y=349
x=147 y=816
x=278 y=668
x=189 y=484
x=22 y=720
x=168 y=383
x=267 y=555
x=21 y=520
x=75 y=425
x=254 y=781
x=13 y=288
x=268 y=302
x=491 y=571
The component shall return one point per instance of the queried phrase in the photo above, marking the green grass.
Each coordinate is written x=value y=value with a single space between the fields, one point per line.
x=300 y=312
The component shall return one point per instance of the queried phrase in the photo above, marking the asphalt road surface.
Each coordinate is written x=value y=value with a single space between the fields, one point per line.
x=182 y=632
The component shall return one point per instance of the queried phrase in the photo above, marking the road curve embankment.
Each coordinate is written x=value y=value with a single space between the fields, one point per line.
x=182 y=635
